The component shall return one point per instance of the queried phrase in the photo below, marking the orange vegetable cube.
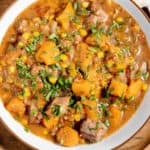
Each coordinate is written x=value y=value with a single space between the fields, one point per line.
x=118 y=88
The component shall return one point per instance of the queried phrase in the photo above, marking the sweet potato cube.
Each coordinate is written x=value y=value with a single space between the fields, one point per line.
x=118 y=88
x=16 y=106
x=64 y=17
x=47 y=53
x=134 y=88
x=51 y=122
x=115 y=115
x=81 y=88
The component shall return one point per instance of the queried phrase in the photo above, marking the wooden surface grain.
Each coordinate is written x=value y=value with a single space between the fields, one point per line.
x=140 y=141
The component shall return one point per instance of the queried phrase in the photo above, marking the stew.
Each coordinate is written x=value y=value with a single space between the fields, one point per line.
x=73 y=71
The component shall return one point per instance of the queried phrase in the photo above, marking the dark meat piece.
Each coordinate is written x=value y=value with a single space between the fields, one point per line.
x=35 y=115
x=23 y=26
x=93 y=130
x=62 y=101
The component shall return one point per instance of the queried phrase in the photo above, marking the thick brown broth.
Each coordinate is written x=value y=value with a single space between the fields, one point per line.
x=76 y=69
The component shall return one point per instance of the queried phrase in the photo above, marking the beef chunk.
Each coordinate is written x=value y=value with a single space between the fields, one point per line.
x=93 y=130
x=63 y=102
x=35 y=115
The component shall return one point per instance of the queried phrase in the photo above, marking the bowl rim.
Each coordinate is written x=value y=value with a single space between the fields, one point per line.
x=29 y=144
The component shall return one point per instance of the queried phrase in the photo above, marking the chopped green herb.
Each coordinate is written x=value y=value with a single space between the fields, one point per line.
x=138 y=74
x=132 y=98
x=83 y=98
x=107 y=123
x=31 y=47
x=145 y=75
x=44 y=114
x=78 y=107
x=26 y=129
x=75 y=5
x=33 y=113
x=57 y=109
x=92 y=49
x=96 y=127
x=114 y=25
x=53 y=37
x=92 y=97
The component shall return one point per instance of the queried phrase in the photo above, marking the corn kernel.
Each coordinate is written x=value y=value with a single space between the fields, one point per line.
x=64 y=57
x=85 y=4
x=100 y=54
x=78 y=26
x=93 y=92
x=83 y=32
x=131 y=60
x=63 y=35
x=11 y=69
x=1 y=79
x=23 y=58
x=103 y=83
x=144 y=87
x=51 y=17
x=20 y=44
x=26 y=35
x=64 y=65
x=35 y=34
x=24 y=122
x=27 y=92
x=52 y=79
x=72 y=70
x=119 y=19
x=77 y=117
x=110 y=63
x=136 y=27
x=37 y=19
x=20 y=97
x=45 y=132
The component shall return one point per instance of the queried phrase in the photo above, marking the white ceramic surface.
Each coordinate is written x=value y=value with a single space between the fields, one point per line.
x=112 y=141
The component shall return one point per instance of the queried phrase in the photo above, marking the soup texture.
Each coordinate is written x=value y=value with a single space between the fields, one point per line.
x=73 y=71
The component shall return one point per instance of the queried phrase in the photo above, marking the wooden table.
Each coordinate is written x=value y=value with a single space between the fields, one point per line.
x=8 y=141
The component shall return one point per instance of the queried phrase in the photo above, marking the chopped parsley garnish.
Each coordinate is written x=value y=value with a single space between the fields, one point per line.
x=114 y=25
x=57 y=109
x=96 y=127
x=33 y=113
x=83 y=98
x=132 y=98
x=53 y=37
x=145 y=75
x=26 y=129
x=106 y=123
x=31 y=47
x=92 y=97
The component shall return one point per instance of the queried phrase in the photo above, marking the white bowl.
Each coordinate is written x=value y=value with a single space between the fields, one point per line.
x=110 y=142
